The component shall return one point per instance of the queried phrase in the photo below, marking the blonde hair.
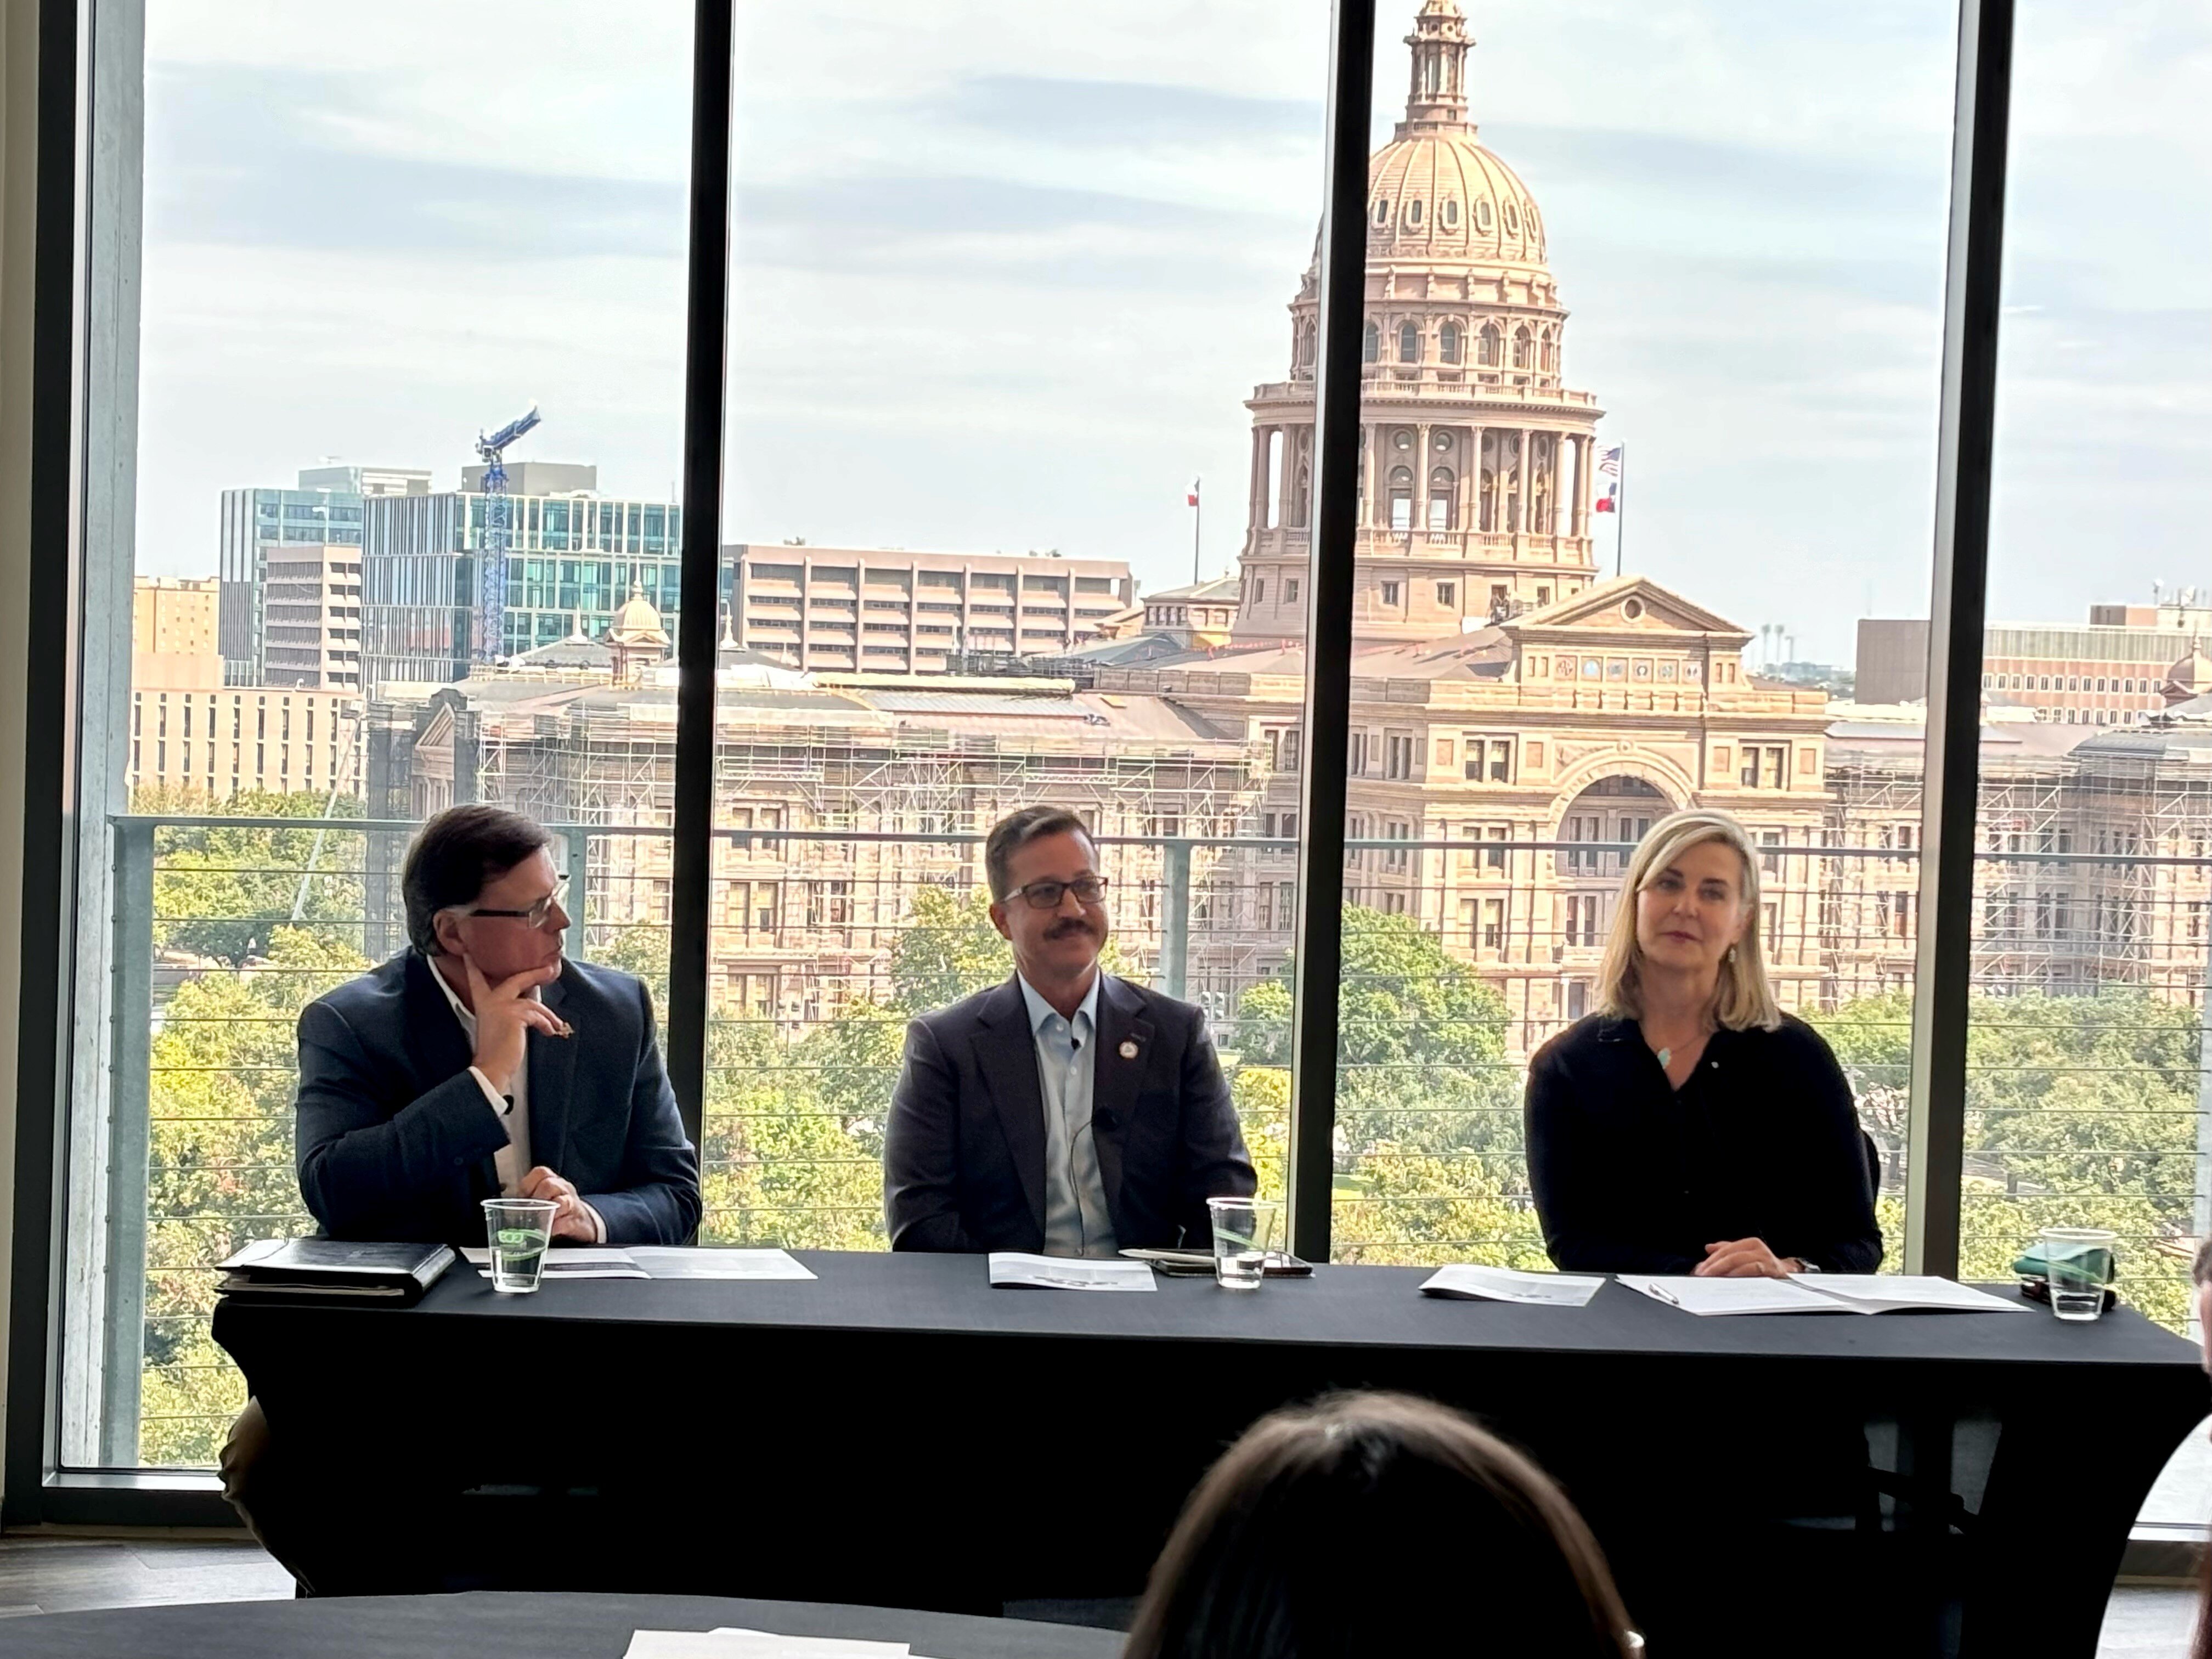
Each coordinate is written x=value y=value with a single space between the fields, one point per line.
x=1744 y=999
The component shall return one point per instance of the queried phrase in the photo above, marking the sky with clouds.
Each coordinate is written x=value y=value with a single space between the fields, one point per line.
x=1005 y=271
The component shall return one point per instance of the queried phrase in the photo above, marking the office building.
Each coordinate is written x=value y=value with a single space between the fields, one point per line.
x=572 y=560
x=2111 y=670
x=323 y=511
x=191 y=731
x=312 y=617
x=883 y=610
x=172 y=617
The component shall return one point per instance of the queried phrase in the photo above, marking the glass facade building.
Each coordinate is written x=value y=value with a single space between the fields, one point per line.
x=253 y=522
x=572 y=561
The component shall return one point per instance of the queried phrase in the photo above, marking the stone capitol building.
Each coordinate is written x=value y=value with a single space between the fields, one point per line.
x=1503 y=692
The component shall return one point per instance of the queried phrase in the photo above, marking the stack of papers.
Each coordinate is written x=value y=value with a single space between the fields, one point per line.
x=1506 y=1284
x=1056 y=1272
x=657 y=1261
x=1817 y=1293
x=730 y=1642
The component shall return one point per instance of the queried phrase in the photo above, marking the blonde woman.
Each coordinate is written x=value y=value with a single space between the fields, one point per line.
x=1689 y=1126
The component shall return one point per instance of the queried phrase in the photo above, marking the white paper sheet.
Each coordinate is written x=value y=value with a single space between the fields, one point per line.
x=1481 y=1284
x=672 y=1261
x=1856 y=1293
x=597 y=1261
x=1734 y=1296
x=1905 y=1293
x=1054 y=1272
x=731 y=1642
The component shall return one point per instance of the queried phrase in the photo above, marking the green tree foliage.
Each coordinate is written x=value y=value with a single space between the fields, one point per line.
x=2081 y=1111
x=1428 y=1157
x=222 y=892
x=220 y=1171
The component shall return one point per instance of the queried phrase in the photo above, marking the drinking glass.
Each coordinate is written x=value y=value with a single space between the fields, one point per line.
x=2079 y=1260
x=1241 y=1229
x=518 y=1229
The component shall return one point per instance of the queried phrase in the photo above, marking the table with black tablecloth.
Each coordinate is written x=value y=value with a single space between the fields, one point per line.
x=896 y=1432
x=496 y=1625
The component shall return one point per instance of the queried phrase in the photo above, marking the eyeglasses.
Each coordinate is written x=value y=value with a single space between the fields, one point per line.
x=535 y=915
x=1045 y=895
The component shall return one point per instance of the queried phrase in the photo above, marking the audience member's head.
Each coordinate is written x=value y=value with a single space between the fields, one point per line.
x=1047 y=896
x=480 y=882
x=1371 y=1524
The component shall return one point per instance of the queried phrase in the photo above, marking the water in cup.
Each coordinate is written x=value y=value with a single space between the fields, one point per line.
x=1240 y=1241
x=2079 y=1263
x=518 y=1231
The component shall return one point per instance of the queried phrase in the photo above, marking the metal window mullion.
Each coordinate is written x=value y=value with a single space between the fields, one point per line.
x=1334 y=516
x=706 y=368
x=1935 y=1140
x=50 y=715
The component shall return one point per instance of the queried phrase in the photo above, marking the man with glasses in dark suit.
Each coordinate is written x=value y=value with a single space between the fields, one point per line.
x=1065 y=1112
x=478 y=1063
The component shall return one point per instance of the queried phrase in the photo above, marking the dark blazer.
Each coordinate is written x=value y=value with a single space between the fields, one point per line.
x=1632 y=1175
x=963 y=1156
x=396 y=1138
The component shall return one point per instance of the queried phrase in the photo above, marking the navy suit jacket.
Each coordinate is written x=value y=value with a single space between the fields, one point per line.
x=964 y=1155
x=396 y=1138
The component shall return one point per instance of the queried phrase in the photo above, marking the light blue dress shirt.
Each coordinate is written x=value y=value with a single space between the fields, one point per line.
x=1076 y=1221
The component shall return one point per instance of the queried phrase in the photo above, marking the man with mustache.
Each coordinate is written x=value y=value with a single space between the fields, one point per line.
x=1065 y=1112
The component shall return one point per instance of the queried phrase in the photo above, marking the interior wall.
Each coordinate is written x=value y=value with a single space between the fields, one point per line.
x=18 y=132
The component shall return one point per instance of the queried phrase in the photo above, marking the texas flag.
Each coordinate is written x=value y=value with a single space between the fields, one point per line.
x=1608 y=468
x=1192 y=499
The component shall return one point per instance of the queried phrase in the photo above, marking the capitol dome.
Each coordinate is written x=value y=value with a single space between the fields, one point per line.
x=1433 y=191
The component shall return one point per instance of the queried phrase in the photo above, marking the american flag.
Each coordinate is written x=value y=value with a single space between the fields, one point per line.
x=1608 y=468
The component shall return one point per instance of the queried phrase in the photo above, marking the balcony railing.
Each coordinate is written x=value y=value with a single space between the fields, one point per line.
x=1461 y=956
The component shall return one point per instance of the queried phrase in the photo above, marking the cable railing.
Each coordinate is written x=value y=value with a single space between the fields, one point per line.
x=2085 y=1086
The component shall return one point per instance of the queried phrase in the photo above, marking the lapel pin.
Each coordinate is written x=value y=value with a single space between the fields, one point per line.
x=1129 y=1049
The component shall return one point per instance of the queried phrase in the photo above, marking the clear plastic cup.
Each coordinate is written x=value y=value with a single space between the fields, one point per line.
x=518 y=1230
x=1241 y=1229
x=2079 y=1260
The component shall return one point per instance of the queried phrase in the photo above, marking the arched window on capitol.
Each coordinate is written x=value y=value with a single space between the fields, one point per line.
x=1401 y=498
x=1409 y=342
x=1370 y=347
x=1448 y=342
x=1491 y=354
x=1444 y=498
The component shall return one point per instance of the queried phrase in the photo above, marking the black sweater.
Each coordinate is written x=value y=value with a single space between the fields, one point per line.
x=1632 y=1175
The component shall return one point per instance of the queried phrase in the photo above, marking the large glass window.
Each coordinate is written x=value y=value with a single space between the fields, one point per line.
x=1666 y=370
x=361 y=257
x=992 y=489
x=2085 y=1091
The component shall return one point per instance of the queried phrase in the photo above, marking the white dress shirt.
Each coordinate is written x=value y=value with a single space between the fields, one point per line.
x=511 y=1161
x=1076 y=1220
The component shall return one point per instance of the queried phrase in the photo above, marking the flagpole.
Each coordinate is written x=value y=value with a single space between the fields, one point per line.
x=1621 y=512
x=1197 y=517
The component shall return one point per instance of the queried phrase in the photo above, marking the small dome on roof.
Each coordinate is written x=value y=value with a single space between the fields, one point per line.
x=637 y=623
x=2190 y=677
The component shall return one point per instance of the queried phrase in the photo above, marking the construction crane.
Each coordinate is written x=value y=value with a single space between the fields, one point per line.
x=492 y=560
